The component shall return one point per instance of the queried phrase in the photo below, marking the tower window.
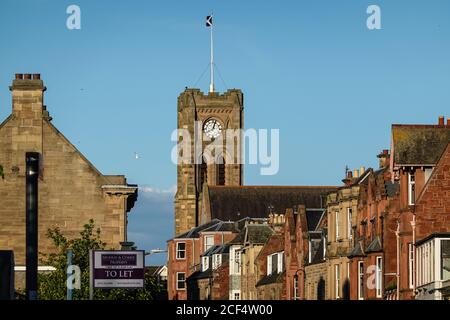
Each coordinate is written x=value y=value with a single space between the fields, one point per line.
x=221 y=171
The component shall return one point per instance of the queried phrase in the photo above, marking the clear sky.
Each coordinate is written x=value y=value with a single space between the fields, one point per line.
x=309 y=68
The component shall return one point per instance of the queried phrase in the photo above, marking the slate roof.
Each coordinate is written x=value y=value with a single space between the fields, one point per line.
x=235 y=202
x=375 y=245
x=256 y=234
x=357 y=251
x=153 y=270
x=419 y=144
x=222 y=226
x=217 y=249
x=269 y=279
x=201 y=275
x=195 y=232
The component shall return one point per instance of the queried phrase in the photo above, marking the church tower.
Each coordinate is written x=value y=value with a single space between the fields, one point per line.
x=206 y=118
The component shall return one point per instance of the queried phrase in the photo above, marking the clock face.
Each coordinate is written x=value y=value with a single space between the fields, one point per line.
x=212 y=128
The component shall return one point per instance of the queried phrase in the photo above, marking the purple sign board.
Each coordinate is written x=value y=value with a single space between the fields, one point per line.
x=118 y=269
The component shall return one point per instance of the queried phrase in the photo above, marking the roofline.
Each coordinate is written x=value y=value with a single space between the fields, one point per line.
x=421 y=126
x=432 y=236
x=285 y=187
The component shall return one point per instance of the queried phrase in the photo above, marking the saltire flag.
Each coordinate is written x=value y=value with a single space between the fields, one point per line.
x=209 y=21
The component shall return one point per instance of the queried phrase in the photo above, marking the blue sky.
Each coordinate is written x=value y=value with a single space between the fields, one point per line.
x=310 y=68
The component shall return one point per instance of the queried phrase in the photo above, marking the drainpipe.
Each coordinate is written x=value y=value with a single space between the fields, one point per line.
x=397 y=234
x=413 y=225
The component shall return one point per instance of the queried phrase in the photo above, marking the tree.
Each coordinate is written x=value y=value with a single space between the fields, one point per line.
x=52 y=285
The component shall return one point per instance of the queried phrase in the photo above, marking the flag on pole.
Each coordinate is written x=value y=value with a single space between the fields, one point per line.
x=209 y=21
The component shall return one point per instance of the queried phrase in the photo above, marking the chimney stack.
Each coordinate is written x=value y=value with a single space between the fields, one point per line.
x=384 y=158
x=448 y=122
x=441 y=121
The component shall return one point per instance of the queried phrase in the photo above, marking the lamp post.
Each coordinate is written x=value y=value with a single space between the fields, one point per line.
x=31 y=216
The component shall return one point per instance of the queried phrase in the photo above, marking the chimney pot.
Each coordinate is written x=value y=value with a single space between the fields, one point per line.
x=349 y=174
x=355 y=173
x=36 y=76
x=19 y=76
x=362 y=170
x=441 y=120
x=27 y=76
x=386 y=152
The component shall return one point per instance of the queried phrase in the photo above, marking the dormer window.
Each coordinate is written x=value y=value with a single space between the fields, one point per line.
x=275 y=263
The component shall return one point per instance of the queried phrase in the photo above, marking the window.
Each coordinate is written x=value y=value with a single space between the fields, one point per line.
x=428 y=172
x=209 y=242
x=336 y=224
x=237 y=261
x=379 y=277
x=337 y=280
x=181 y=281
x=217 y=261
x=411 y=189
x=445 y=260
x=295 y=287
x=181 y=250
x=411 y=265
x=360 y=280
x=205 y=263
x=220 y=171
x=310 y=251
x=275 y=263
x=235 y=295
x=349 y=223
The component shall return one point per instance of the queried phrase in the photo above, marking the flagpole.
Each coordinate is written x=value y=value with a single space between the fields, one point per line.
x=211 y=85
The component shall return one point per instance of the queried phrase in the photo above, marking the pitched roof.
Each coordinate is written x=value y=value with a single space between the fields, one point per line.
x=235 y=202
x=269 y=279
x=418 y=144
x=194 y=232
x=223 y=226
x=254 y=234
x=357 y=251
x=258 y=233
x=375 y=245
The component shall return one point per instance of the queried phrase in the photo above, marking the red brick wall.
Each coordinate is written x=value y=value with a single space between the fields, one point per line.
x=433 y=206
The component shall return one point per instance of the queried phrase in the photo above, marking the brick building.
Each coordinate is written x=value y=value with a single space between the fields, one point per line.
x=416 y=151
x=71 y=189
x=373 y=256
x=185 y=254
x=432 y=231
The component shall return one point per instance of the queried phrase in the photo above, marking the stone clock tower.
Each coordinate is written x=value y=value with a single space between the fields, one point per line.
x=207 y=118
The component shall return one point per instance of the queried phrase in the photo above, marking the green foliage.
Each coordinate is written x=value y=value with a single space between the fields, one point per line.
x=52 y=285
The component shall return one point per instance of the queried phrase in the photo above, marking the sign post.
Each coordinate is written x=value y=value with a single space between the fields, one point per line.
x=118 y=269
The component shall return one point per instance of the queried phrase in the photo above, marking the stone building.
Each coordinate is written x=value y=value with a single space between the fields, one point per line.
x=205 y=120
x=71 y=189
x=341 y=218
x=256 y=236
x=270 y=268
